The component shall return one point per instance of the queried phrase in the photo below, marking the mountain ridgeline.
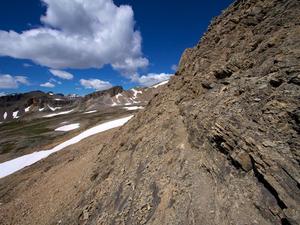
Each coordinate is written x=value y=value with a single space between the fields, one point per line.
x=220 y=145
x=35 y=104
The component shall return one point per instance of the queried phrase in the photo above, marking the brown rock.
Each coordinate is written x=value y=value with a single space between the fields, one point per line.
x=186 y=154
x=202 y=142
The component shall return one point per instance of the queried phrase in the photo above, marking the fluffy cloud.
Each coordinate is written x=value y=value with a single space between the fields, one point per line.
x=96 y=84
x=62 y=74
x=48 y=85
x=151 y=79
x=8 y=81
x=80 y=34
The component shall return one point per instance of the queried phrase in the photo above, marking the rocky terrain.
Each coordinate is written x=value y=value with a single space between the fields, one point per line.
x=219 y=145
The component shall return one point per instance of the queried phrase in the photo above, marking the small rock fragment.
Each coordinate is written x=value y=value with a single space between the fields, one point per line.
x=206 y=85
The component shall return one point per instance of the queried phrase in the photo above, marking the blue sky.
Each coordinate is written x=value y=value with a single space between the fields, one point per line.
x=101 y=44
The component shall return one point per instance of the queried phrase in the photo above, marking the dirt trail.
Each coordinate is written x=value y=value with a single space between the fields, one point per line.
x=41 y=193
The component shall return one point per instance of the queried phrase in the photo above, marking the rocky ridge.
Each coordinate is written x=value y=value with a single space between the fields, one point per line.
x=221 y=144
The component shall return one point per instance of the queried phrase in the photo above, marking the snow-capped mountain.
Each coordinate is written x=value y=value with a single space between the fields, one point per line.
x=37 y=103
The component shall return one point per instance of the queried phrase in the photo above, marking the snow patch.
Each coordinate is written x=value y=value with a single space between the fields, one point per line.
x=160 y=84
x=57 y=114
x=14 y=165
x=5 y=115
x=133 y=107
x=117 y=97
x=15 y=115
x=113 y=103
x=134 y=102
x=135 y=93
x=53 y=108
x=41 y=109
x=68 y=127
x=89 y=112
x=27 y=109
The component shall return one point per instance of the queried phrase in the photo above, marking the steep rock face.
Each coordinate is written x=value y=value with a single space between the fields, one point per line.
x=221 y=144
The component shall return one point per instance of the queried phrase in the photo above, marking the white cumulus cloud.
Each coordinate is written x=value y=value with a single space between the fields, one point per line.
x=48 y=85
x=9 y=81
x=80 y=34
x=62 y=74
x=96 y=84
x=152 y=78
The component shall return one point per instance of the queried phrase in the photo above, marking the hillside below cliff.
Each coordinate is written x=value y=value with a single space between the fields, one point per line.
x=219 y=145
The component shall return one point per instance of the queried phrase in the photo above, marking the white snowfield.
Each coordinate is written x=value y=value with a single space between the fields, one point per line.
x=57 y=114
x=133 y=107
x=68 y=127
x=89 y=112
x=129 y=101
x=134 y=102
x=114 y=103
x=53 y=108
x=119 y=95
x=5 y=115
x=160 y=84
x=27 y=109
x=117 y=98
x=12 y=166
x=136 y=92
x=15 y=115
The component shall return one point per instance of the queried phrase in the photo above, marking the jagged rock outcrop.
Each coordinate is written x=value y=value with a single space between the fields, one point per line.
x=221 y=144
